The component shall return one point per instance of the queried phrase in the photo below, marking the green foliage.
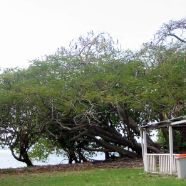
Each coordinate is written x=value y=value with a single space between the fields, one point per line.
x=84 y=84
x=162 y=141
x=42 y=149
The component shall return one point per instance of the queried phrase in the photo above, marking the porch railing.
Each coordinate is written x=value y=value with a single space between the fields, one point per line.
x=161 y=163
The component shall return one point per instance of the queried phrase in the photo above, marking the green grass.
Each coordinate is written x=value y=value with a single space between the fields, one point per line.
x=95 y=177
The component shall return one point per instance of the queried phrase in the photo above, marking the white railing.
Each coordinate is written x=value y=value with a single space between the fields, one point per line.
x=160 y=163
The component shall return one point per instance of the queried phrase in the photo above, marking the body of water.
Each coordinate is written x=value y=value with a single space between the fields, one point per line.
x=8 y=161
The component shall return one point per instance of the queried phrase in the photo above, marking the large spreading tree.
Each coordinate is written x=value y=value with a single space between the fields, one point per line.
x=92 y=97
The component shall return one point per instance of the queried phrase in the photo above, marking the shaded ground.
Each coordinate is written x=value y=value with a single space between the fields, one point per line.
x=75 y=167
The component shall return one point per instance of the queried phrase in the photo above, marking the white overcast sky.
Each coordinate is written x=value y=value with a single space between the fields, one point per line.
x=33 y=28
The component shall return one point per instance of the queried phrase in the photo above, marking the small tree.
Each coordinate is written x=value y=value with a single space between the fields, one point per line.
x=22 y=117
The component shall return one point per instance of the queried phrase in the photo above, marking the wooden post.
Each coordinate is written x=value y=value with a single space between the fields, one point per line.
x=145 y=150
x=171 y=148
x=142 y=146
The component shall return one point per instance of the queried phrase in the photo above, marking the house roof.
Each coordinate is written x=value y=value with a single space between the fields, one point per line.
x=175 y=122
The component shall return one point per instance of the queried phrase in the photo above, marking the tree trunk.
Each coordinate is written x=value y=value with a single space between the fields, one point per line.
x=27 y=160
x=72 y=157
x=23 y=157
x=106 y=156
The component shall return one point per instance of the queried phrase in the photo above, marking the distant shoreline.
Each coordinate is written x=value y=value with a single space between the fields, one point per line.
x=7 y=161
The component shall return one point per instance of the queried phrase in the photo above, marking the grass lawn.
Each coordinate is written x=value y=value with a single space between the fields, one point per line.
x=106 y=177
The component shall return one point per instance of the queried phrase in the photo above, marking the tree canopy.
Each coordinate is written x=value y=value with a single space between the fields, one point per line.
x=92 y=97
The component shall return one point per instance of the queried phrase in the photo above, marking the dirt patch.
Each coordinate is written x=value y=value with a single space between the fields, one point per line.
x=74 y=167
